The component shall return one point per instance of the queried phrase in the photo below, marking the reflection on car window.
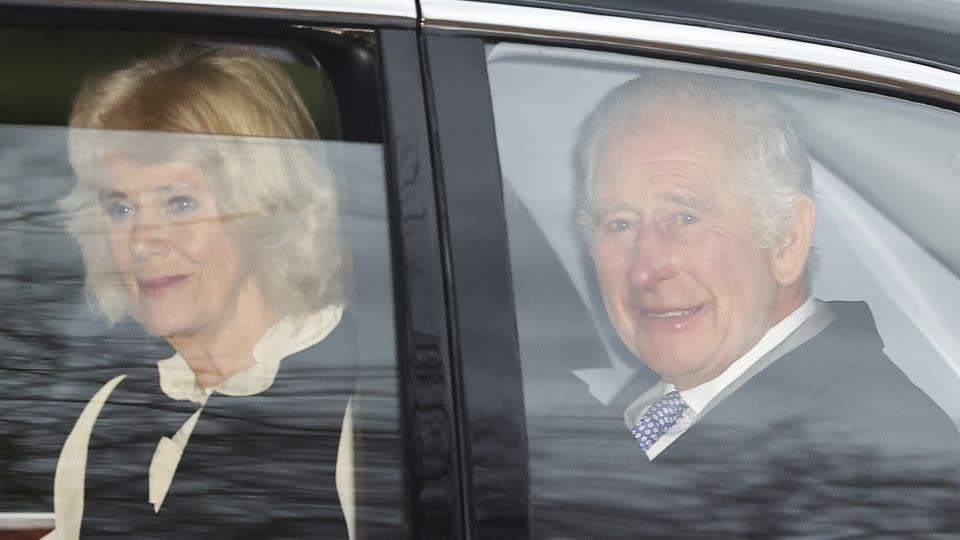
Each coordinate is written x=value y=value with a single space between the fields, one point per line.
x=189 y=271
x=717 y=335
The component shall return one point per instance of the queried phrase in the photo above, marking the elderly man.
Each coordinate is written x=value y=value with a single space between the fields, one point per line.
x=700 y=215
x=699 y=212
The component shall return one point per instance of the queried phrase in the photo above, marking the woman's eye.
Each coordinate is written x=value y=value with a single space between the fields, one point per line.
x=118 y=210
x=181 y=203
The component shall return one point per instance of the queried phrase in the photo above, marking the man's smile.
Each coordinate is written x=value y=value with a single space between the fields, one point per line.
x=672 y=313
x=666 y=318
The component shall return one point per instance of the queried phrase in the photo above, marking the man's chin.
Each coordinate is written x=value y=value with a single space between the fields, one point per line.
x=675 y=365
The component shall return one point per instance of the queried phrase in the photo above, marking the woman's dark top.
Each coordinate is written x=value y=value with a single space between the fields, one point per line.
x=260 y=466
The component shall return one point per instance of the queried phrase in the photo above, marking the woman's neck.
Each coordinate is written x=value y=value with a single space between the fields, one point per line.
x=226 y=348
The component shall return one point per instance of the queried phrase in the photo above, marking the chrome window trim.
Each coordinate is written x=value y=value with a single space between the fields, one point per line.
x=401 y=9
x=13 y=521
x=798 y=56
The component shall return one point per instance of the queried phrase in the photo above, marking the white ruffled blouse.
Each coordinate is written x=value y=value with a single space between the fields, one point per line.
x=289 y=336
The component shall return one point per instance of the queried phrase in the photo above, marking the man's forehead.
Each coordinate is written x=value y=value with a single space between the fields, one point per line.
x=612 y=202
x=691 y=190
x=659 y=115
x=672 y=148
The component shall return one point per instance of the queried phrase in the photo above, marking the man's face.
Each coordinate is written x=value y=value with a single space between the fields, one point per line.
x=684 y=279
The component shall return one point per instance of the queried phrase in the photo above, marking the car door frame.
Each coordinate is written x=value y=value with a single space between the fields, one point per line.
x=432 y=483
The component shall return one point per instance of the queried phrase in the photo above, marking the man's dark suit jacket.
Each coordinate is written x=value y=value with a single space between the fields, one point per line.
x=829 y=440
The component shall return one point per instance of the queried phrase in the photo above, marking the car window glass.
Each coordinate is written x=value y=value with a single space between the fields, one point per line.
x=215 y=232
x=637 y=215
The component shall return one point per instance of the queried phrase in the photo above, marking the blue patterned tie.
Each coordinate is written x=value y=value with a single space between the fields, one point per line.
x=659 y=418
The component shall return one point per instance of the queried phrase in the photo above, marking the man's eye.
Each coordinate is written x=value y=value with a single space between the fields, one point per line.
x=181 y=203
x=118 y=210
x=619 y=225
x=686 y=219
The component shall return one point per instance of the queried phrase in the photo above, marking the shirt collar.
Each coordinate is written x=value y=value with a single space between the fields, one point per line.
x=700 y=396
x=288 y=336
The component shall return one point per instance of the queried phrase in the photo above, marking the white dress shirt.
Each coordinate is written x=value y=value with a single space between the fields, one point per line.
x=699 y=398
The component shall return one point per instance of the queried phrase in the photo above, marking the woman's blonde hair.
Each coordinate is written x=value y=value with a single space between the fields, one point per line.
x=246 y=127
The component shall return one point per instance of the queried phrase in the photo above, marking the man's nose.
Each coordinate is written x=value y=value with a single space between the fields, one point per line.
x=653 y=254
x=149 y=238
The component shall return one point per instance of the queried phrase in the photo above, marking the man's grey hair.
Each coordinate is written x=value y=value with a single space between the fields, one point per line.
x=775 y=171
x=775 y=168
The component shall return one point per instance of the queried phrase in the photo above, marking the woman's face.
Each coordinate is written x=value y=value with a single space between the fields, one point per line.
x=171 y=248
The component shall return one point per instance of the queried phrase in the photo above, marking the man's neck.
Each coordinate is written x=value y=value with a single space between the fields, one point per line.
x=774 y=335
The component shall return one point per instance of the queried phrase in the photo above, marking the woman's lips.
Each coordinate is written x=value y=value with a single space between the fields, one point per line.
x=158 y=286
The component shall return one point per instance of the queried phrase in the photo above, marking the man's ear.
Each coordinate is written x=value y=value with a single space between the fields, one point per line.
x=790 y=255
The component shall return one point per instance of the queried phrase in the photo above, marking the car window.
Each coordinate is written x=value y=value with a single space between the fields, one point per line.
x=195 y=230
x=733 y=298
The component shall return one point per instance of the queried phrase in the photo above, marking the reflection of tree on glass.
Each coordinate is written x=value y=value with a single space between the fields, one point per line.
x=202 y=214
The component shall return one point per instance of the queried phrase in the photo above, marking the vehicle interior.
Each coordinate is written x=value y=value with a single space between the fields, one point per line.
x=886 y=180
x=48 y=322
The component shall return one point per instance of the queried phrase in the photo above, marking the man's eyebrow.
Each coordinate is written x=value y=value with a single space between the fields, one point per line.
x=600 y=209
x=684 y=199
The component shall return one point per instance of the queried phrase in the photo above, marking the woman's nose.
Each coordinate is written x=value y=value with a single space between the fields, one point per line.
x=149 y=238
x=653 y=254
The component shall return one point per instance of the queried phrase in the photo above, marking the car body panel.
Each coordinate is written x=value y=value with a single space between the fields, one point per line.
x=406 y=9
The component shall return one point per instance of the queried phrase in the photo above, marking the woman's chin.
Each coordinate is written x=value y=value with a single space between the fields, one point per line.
x=163 y=329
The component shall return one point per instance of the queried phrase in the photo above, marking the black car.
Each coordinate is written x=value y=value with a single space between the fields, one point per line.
x=484 y=341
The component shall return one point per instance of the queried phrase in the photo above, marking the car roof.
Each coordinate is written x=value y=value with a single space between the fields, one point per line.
x=926 y=31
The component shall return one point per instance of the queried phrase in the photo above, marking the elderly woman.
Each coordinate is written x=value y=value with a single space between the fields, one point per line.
x=202 y=214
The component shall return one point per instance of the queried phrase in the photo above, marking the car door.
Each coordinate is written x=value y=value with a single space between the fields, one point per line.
x=546 y=361
x=357 y=68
